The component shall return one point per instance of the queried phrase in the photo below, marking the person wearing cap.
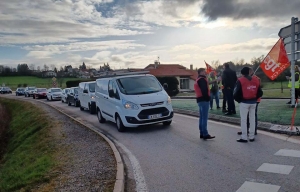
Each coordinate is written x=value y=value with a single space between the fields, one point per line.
x=202 y=91
x=297 y=83
x=246 y=92
x=251 y=73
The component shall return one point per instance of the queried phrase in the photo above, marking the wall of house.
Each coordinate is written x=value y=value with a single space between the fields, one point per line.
x=192 y=82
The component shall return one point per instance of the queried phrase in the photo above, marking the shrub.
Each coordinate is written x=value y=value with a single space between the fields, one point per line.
x=172 y=82
x=19 y=85
x=25 y=85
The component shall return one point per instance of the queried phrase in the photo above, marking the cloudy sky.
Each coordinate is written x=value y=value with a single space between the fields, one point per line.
x=133 y=33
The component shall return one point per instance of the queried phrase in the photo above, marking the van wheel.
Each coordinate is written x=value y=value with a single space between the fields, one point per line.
x=120 y=126
x=77 y=104
x=47 y=98
x=166 y=123
x=92 y=110
x=81 y=108
x=69 y=103
x=100 y=117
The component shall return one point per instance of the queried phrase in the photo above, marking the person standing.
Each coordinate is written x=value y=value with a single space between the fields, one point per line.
x=297 y=83
x=202 y=91
x=251 y=73
x=214 y=89
x=247 y=90
x=229 y=79
x=224 y=100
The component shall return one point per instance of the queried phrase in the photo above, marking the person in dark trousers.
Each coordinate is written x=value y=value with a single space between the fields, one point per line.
x=297 y=83
x=229 y=79
x=224 y=100
x=246 y=92
x=251 y=73
x=213 y=82
x=202 y=91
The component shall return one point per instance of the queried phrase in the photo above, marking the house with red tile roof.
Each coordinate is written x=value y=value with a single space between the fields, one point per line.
x=186 y=77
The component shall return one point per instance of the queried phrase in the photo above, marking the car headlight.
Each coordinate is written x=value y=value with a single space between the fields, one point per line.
x=92 y=97
x=169 y=100
x=130 y=105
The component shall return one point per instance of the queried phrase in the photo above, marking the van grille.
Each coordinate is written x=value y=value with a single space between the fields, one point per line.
x=146 y=112
x=152 y=104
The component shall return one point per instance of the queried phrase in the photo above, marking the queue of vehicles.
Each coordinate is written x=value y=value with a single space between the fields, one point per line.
x=129 y=100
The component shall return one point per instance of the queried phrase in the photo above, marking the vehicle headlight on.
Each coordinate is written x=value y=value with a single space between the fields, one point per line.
x=92 y=97
x=169 y=100
x=130 y=105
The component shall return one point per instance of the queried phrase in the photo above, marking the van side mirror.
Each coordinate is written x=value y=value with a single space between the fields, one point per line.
x=165 y=86
x=111 y=93
x=85 y=91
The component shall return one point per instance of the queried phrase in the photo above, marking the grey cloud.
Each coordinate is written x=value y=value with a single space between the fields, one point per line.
x=128 y=63
x=116 y=59
x=236 y=9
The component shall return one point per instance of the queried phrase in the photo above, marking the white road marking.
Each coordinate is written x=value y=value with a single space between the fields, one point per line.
x=288 y=153
x=141 y=185
x=275 y=168
x=258 y=187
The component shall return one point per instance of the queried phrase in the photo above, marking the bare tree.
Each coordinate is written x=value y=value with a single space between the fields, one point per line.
x=32 y=67
x=52 y=67
x=38 y=68
x=215 y=64
x=46 y=67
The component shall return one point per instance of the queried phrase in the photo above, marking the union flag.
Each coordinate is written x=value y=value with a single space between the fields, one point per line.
x=209 y=69
x=276 y=61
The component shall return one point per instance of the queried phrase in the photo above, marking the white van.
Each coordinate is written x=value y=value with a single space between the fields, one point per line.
x=86 y=96
x=132 y=100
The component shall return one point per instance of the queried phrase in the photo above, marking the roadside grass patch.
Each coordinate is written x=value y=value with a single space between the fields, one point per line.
x=272 y=111
x=29 y=154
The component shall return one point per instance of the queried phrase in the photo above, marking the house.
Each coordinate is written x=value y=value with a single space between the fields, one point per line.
x=186 y=77
x=48 y=74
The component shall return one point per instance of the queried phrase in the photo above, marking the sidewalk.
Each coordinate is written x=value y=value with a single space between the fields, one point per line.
x=273 y=115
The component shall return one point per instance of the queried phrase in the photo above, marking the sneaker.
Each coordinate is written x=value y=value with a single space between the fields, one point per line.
x=224 y=110
x=251 y=140
x=209 y=137
x=289 y=102
x=242 y=140
x=201 y=136
x=218 y=107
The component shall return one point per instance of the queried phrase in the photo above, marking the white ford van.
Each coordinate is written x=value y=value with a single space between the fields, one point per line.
x=86 y=96
x=132 y=100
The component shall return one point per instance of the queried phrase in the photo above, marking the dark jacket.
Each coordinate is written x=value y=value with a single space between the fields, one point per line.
x=229 y=78
x=204 y=89
x=238 y=93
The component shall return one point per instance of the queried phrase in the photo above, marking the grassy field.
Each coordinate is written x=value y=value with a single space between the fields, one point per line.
x=29 y=156
x=13 y=82
x=273 y=111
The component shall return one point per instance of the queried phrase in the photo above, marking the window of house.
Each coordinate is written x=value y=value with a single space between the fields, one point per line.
x=184 y=83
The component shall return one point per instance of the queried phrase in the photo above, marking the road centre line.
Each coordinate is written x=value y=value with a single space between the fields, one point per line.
x=258 y=187
x=275 y=168
x=288 y=153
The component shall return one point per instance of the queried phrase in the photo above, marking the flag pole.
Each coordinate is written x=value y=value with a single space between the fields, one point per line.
x=256 y=69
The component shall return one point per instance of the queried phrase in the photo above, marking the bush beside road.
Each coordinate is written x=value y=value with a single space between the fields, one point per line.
x=49 y=152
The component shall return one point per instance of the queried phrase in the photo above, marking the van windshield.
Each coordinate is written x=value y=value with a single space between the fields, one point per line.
x=139 y=85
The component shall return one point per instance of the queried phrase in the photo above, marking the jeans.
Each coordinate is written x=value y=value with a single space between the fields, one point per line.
x=246 y=108
x=248 y=123
x=212 y=96
x=203 y=110
x=230 y=100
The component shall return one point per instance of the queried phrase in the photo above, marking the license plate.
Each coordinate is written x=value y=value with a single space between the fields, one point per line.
x=154 y=116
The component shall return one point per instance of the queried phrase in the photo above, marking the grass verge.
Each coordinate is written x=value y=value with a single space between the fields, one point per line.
x=29 y=153
x=273 y=111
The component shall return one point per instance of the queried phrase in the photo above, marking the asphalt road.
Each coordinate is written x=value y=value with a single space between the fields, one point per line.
x=173 y=158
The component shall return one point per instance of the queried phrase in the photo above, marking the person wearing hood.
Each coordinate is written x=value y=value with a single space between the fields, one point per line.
x=246 y=92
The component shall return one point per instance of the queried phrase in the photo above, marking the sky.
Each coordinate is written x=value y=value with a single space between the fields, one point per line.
x=134 y=33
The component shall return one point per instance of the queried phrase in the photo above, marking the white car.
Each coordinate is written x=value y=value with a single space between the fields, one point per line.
x=132 y=101
x=54 y=94
x=86 y=96
x=64 y=95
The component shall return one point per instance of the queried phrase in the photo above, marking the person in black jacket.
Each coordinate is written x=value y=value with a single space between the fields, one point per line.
x=229 y=79
x=203 y=97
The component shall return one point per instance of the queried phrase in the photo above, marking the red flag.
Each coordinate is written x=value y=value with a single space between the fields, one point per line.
x=209 y=69
x=276 y=61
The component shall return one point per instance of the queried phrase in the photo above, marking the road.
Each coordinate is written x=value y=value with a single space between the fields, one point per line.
x=173 y=158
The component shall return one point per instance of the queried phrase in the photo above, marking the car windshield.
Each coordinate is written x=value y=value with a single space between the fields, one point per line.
x=92 y=87
x=20 y=89
x=76 y=90
x=55 y=90
x=31 y=88
x=42 y=90
x=67 y=90
x=5 y=88
x=139 y=85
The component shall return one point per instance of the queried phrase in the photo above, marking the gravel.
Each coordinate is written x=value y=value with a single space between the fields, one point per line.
x=84 y=159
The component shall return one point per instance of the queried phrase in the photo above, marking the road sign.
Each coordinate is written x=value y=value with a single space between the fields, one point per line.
x=287 y=31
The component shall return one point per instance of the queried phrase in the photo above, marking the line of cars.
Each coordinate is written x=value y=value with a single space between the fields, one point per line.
x=129 y=100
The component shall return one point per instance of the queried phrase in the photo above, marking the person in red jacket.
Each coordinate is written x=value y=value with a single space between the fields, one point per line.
x=246 y=92
x=251 y=73
x=202 y=91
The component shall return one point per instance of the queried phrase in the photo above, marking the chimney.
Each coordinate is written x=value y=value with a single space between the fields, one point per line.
x=156 y=63
x=191 y=66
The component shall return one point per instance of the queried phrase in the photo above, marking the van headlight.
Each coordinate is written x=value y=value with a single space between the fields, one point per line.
x=169 y=100
x=130 y=105
x=92 y=97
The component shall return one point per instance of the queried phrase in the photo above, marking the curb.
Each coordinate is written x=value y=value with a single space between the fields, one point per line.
x=265 y=126
x=120 y=178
